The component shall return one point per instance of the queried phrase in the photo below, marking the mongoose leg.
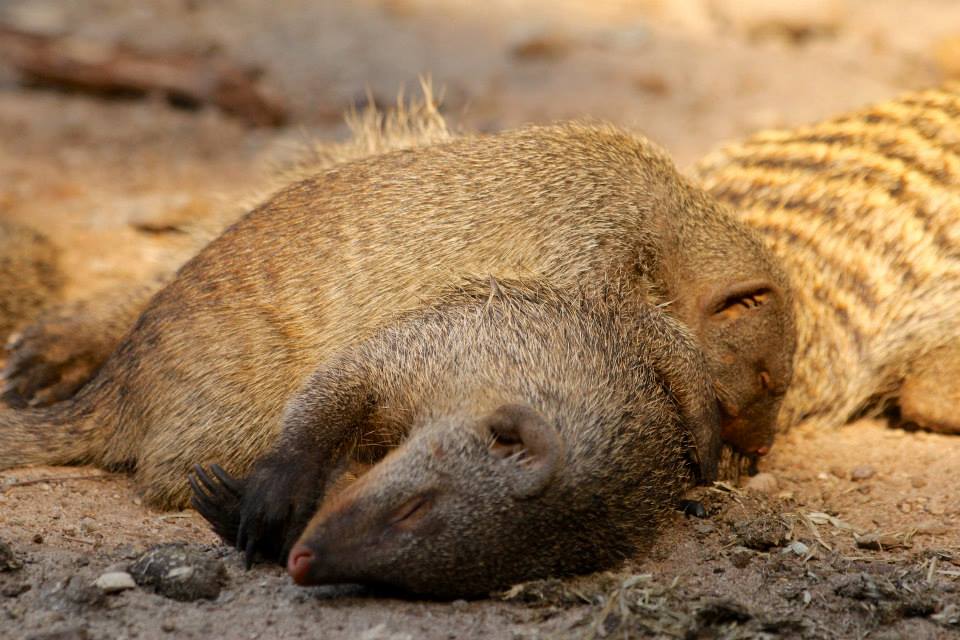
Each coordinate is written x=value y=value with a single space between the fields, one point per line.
x=264 y=514
x=930 y=395
x=50 y=359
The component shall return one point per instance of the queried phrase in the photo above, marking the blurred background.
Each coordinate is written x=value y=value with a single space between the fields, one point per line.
x=115 y=126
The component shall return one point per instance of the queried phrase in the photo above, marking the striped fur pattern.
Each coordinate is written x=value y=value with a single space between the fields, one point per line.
x=864 y=211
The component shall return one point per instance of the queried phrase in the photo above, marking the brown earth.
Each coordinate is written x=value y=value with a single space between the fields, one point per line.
x=689 y=74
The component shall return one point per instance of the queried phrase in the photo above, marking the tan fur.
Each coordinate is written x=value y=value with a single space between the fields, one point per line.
x=60 y=350
x=205 y=372
x=31 y=277
x=532 y=461
x=863 y=211
x=408 y=125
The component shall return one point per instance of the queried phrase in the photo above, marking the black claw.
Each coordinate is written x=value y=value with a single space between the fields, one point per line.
x=198 y=477
x=217 y=503
x=693 y=508
x=198 y=492
x=226 y=479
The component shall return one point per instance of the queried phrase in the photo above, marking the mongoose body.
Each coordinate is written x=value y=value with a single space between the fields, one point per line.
x=31 y=279
x=487 y=454
x=863 y=212
x=204 y=373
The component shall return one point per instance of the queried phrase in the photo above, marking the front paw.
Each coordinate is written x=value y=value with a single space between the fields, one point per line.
x=217 y=497
x=262 y=515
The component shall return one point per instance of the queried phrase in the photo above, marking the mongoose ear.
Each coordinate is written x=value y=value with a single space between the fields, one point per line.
x=533 y=446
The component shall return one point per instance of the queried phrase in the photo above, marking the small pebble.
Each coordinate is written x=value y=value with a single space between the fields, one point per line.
x=862 y=472
x=8 y=560
x=168 y=627
x=918 y=483
x=740 y=556
x=87 y=525
x=37 y=538
x=761 y=533
x=839 y=472
x=763 y=483
x=693 y=508
x=115 y=581
x=797 y=548
x=179 y=572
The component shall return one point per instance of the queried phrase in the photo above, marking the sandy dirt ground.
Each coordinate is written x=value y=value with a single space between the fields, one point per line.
x=846 y=533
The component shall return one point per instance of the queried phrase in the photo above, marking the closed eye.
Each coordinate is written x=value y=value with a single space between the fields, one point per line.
x=411 y=512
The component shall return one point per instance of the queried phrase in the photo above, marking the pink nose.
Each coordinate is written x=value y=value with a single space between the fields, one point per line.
x=762 y=451
x=298 y=564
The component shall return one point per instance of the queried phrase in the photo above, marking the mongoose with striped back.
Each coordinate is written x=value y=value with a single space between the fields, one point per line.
x=204 y=374
x=508 y=431
x=863 y=213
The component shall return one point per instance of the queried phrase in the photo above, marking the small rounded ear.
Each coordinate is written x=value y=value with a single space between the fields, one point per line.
x=520 y=433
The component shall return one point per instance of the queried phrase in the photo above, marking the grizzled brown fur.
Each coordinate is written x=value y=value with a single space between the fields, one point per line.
x=496 y=456
x=54 y=355
x=204 y=373
x=31 y=276
x=863 y=212
x=61 y=349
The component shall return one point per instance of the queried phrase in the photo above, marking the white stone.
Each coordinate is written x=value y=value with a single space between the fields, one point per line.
x=115 y=581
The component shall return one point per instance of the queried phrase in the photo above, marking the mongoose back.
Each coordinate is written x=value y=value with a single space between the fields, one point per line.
x=60 y=350
x=863 y=212
x=31 y=276
x=487 y=454
x=204 y=373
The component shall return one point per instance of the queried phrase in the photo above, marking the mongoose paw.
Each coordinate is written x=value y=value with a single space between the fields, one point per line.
x=279 y=499
x=49 y=361
x=217 y=499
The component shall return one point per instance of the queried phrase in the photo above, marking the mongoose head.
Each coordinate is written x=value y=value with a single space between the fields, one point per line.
x=470 y=506
x=738 y=302
x=748 y=326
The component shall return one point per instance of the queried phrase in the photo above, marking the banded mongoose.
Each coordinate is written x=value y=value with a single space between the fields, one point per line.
x=205 y=372
x=32 y=279
x=863 y=212
x=509 y=431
